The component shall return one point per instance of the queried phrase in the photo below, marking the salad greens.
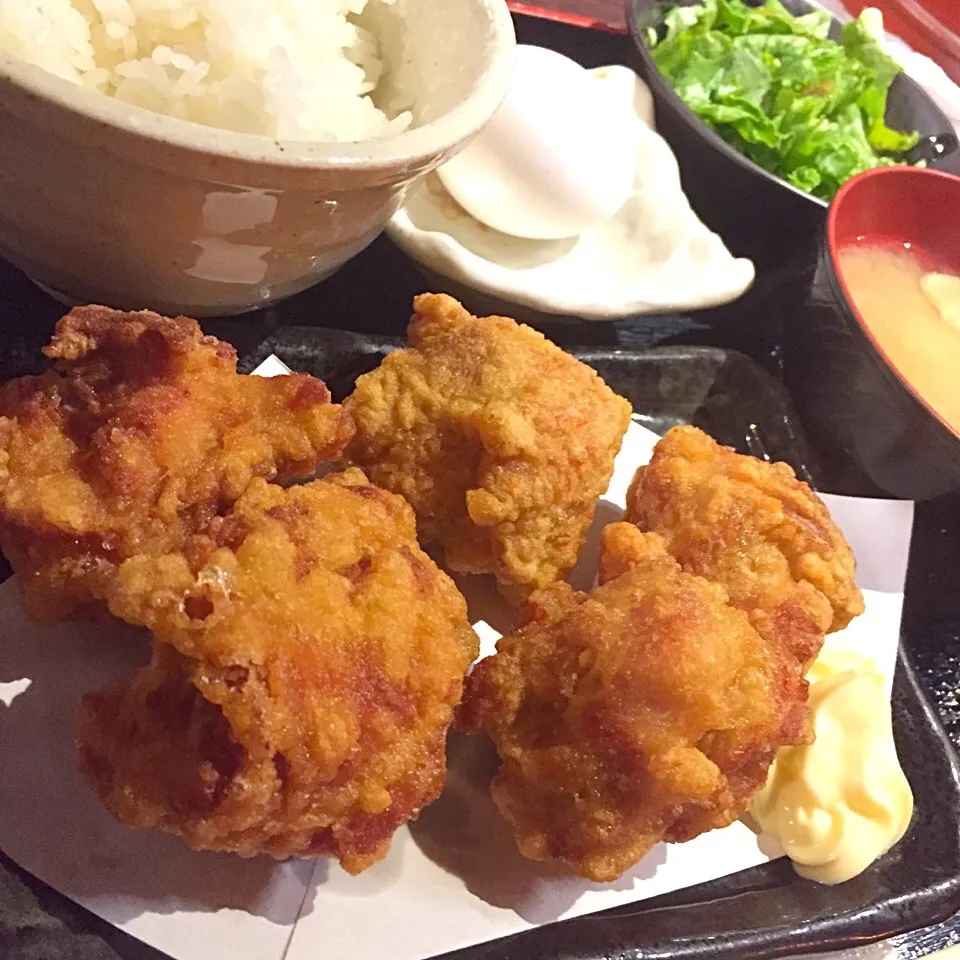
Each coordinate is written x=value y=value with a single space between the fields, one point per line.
x=802 y=106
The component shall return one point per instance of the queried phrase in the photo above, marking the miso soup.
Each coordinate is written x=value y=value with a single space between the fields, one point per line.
x=912 y=309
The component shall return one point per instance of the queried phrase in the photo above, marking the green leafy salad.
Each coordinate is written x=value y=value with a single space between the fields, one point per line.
x=773 y=85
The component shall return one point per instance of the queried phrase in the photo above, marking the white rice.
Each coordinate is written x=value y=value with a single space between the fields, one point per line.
x=287 y=69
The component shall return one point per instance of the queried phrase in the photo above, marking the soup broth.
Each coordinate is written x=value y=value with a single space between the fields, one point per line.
x=913 y=313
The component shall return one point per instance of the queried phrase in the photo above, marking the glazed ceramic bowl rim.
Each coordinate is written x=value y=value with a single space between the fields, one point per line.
x=843 y=292
x=431 y=138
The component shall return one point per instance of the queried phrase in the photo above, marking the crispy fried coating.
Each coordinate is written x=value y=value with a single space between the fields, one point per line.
x=500 y=440
x=756 y=529
x=307 y=660
x=648 y=710
x=141 y=433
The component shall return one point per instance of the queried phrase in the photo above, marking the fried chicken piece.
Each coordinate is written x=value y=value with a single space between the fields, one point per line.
x=648 y=710
x=141 y=434
x=500 y=440
x=756 y=529
x=307 y=660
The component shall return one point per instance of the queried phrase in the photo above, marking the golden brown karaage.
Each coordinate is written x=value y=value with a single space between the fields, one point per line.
x=756 y=529
x=647 y=710
x=140 y=435
x=307 y=660
x=500 y=441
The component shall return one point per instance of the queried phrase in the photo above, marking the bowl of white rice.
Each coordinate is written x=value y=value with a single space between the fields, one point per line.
x=213 y=156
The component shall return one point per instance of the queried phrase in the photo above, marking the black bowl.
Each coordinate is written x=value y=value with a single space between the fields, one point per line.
x=862 y=410
x=758 y=214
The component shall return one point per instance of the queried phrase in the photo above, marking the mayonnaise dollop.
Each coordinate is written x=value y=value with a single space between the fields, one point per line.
x=841 y=802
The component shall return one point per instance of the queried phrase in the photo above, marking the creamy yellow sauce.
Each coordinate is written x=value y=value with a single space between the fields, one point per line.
x=840 y=803
x=914 y=316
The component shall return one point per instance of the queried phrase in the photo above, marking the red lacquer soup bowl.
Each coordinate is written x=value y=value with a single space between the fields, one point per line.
x=850 y=395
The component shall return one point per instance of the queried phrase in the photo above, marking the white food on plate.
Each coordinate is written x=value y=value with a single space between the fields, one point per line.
x=557 y=157
x=288 y=69
x=653 y=256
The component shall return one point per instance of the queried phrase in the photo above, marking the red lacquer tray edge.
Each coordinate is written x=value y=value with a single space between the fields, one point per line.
x=584 y=21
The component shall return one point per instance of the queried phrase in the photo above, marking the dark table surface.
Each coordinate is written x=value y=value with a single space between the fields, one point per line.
x=931 y=621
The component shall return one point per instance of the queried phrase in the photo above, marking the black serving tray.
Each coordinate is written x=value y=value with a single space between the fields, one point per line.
x=763 y=912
